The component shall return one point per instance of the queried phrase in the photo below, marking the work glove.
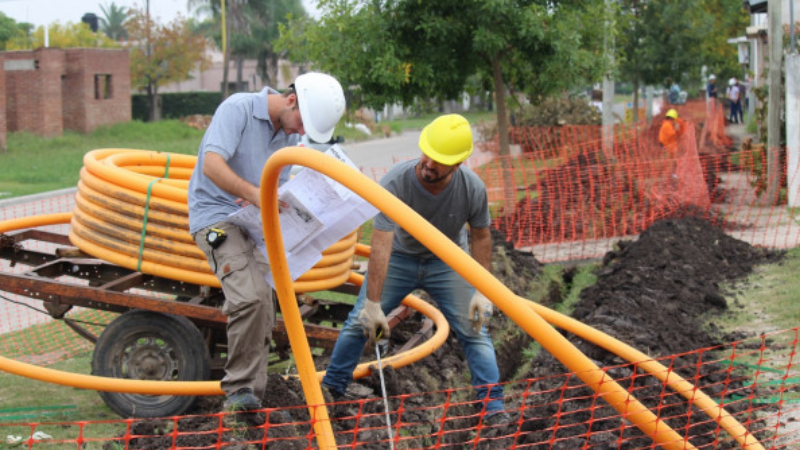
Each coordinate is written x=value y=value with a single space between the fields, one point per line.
x=480 y=311
x=372 y=318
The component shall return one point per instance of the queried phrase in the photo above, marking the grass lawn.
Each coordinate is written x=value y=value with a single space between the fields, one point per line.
x=33 y=164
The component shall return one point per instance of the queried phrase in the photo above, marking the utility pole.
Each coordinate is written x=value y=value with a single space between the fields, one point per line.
x=774 y=172
x=793 y=117
x=608 y=85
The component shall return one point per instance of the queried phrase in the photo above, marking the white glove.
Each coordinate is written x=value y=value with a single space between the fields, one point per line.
x=371 y=318
x=480 y=311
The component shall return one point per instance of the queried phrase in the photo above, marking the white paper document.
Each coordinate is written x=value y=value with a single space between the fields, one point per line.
x=320 y=212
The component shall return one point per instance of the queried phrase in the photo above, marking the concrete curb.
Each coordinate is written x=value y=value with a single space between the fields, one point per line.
x=36 y=197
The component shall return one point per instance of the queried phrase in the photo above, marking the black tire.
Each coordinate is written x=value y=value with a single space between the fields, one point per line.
x=147 y=345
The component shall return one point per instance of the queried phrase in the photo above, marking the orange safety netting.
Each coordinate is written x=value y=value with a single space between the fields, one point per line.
x=571 y=194
x=756 y=380
x=568 y=196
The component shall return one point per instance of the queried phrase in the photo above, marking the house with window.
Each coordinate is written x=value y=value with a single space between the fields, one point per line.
x=49 y=90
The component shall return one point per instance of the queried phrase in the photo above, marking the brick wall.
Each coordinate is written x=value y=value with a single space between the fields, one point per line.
x=3 y=112
x=99 y=84
x=50 y=90
x=33 y=91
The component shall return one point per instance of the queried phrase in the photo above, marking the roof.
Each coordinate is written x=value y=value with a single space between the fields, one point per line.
x=755 y=6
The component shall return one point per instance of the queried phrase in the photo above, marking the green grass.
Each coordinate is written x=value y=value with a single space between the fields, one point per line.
x=33 y=164
x=26 y=401
x=766 y=300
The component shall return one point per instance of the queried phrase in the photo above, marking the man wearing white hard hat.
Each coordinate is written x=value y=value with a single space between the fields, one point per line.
x=735 y=100
x=246 y=130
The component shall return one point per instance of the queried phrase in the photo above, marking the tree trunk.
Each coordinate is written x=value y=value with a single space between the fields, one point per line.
x=509 y=188
x=239 y=72
x=225 y=63
x=635 y=100
x=153 y=103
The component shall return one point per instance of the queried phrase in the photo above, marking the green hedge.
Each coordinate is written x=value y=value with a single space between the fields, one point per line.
x=177 y=104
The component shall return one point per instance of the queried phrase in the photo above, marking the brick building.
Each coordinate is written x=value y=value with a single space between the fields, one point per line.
x=49 y=90
x=2 y=107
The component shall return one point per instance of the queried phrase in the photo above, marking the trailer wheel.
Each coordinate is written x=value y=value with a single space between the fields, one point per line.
x=146 y=345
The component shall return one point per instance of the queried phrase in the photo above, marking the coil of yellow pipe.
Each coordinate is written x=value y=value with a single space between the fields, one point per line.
x=122 y=191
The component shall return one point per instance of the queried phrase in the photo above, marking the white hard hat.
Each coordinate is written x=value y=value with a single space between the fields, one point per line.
x=732 y=81
x=321 y=101
x=712 y=77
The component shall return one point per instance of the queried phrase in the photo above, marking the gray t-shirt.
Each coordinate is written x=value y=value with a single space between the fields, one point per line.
x=462 y=201
x=242 y=133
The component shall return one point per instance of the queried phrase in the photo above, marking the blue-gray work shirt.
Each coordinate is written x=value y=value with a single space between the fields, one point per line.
x=463 y=201
x=242 y=133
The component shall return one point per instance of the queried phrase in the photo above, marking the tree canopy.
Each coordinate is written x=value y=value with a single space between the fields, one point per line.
x=113 y=21
x=162 y=53
x=399 y=50
x=660 y=39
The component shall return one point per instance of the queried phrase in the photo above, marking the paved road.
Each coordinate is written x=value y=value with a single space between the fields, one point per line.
x=384 y=152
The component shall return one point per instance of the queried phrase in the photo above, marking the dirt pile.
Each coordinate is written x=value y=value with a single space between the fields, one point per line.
x=654 y=293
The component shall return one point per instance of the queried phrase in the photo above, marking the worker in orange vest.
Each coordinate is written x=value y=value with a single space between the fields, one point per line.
x=671 y=129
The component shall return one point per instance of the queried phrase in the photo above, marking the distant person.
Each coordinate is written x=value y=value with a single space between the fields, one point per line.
x=711 y=88
x=246 y=129
x=735 y=101
x=742 y=96
x=671 y=130
x=450 y=197
x=673 y=92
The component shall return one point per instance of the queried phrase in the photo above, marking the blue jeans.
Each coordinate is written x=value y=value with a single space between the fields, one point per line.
x=452 y=294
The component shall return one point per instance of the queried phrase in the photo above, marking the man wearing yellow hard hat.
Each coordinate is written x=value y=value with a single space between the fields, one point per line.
x=671 y=129
x=449 y=196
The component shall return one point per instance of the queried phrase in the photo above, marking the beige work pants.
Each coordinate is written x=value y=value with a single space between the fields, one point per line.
x=249 y=305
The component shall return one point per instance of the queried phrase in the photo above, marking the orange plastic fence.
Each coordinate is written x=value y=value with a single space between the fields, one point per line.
x=756 y=380
x=566 y=197
x=570 y=199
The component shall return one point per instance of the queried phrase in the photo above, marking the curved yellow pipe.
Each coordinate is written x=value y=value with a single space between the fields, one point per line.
x=126 y=221
x=129 y=180
x=34 y=221
x=695 y=396
x=120 y=234
x=500 y=295
x=132 y=196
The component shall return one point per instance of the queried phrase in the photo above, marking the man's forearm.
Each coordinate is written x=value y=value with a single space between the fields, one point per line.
x=217 y=170
x=380 y=253
x=481 y=243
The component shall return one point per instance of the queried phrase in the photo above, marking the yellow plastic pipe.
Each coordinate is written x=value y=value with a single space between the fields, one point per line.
x=630 y=408
x=34 y=221
x=695 y=396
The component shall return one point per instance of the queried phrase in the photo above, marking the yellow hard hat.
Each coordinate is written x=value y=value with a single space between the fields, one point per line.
x=672 y=114
x=447 y=140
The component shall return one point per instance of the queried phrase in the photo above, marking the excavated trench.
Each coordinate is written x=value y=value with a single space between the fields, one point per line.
x=655 y=294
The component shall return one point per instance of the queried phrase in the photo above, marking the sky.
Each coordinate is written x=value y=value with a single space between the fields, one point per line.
x=44 y=12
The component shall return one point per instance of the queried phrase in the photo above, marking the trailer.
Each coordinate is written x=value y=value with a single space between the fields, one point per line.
x=166 y=329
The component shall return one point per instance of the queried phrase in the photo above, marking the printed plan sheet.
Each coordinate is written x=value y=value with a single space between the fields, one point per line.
x=320 y=212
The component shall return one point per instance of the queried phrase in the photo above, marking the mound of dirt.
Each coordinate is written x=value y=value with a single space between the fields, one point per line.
x=654 y=294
